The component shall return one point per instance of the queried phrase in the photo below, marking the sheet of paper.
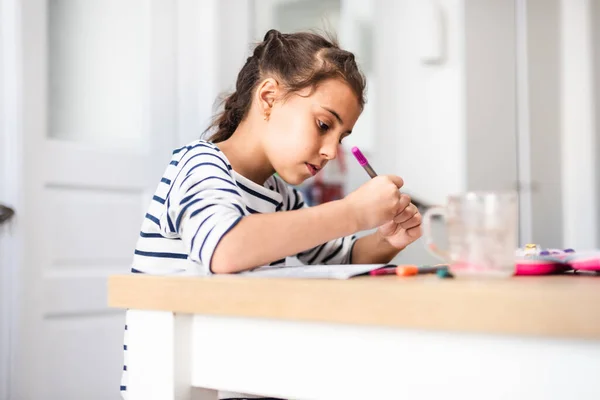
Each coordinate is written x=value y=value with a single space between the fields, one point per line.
x=344 y=271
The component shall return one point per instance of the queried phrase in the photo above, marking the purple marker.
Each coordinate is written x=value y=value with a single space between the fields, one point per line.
x=362 y=160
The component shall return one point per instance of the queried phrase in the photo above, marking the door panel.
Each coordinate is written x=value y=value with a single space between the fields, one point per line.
x=95 y=140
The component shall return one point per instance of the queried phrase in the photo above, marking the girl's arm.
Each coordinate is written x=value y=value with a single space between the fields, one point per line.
x=390 y=238
x=373 y=249
x=261 y=238
x=205 y=209
x=324 y=230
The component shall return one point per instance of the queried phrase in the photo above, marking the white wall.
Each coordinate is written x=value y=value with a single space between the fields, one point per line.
x=420 y=118
x=562 y=41
x=235 y=35
x=543 y=53
x=563 y=122
x=213 y=42
x=596 y=77
x=450 y=126
x=293 y=15
x=197 y=65
x=578 y=142
x=356 y=28
x=420 y=115
x=490 y=88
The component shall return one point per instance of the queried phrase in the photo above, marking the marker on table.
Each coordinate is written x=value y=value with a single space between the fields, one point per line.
x=362 y=160
x=411 y=270
x=385 y=270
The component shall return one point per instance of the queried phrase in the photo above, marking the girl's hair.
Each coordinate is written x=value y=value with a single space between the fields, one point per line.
x=297 y=61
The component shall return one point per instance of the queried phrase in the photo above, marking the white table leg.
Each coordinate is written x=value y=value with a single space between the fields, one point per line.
x=158 y=357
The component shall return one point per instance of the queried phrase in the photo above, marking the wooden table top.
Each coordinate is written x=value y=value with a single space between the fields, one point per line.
x=551 y=306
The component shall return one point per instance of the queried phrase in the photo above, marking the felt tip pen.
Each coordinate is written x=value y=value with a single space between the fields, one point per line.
x=385 y=270
x=362 y=160
x=410 y=270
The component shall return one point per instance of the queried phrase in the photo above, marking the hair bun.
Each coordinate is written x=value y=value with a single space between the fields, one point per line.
x=272 y=34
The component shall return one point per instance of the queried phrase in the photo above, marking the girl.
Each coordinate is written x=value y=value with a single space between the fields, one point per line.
x=220 y=208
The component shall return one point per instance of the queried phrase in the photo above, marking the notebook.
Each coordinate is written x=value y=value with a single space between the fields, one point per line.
x=342 y=271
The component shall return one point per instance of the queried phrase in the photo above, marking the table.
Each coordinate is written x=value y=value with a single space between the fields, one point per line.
x=363 y=338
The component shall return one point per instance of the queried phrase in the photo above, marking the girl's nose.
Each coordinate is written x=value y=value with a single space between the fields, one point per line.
x=329 y=149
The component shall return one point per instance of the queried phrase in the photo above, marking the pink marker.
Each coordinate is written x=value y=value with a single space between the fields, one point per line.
x=385 y=270
x=362 y=160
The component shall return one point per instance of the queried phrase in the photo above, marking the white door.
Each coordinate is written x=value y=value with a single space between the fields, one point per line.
x=92 y=101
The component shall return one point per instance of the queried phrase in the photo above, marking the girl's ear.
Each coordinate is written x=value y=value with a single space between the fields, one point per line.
x=266 y=94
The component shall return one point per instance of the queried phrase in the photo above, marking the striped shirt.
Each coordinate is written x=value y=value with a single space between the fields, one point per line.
x=198 y=200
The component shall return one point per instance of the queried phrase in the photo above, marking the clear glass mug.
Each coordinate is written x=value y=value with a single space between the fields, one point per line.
x=482 y=233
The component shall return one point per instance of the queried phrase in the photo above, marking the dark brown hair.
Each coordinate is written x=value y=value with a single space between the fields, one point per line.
x=297 y=61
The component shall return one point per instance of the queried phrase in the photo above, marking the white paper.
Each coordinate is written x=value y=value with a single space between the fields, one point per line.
x=343 y=271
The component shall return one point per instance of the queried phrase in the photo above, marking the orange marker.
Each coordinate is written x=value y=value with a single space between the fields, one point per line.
x=407 y=270
x=411 y=270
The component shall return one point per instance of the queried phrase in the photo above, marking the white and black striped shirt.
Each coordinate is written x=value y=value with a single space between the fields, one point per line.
x=198 y=200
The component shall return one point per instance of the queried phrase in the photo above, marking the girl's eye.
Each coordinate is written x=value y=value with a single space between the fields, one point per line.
x=322 y=126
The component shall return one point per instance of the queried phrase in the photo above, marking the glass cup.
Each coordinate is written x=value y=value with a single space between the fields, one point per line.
x=481 y=228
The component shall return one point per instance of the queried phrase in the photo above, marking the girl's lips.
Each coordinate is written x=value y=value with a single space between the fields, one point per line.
x=313 y=169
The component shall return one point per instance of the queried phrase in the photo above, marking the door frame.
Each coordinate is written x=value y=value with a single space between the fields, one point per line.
x=10 y=176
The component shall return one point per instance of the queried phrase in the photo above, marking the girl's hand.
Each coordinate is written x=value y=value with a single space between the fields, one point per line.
x=405 y=228
x=376 y=202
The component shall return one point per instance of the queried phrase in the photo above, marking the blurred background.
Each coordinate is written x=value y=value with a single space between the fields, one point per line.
x=94 y=94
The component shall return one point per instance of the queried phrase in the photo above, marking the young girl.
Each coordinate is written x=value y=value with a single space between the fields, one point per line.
x=225 y=205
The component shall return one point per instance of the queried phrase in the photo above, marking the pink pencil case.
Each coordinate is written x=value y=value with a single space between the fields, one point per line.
x=557 y=262
x=584 y=261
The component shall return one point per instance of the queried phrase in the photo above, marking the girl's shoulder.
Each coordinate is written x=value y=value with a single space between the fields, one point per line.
x=201 y=158
x=198 y=145
x=198 y=148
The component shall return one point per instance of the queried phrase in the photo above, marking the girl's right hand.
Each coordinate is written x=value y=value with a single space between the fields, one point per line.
x=376 y=202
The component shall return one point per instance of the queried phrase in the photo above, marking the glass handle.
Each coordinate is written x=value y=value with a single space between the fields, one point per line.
x=6 y=214
x=430 y=244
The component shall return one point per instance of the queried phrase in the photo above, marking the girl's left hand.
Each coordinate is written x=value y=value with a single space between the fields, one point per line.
x=405 y=228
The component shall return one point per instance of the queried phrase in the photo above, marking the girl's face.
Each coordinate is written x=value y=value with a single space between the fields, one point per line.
x=304 y=130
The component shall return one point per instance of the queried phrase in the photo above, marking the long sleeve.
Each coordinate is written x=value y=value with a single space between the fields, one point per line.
x=203 y=203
